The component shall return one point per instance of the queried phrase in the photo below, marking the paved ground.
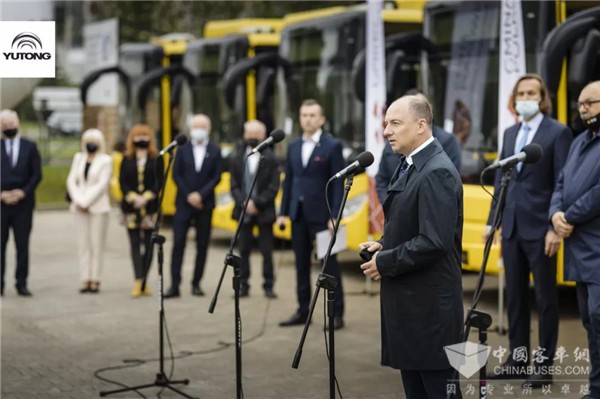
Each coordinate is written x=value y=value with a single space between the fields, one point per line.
x=53 y=343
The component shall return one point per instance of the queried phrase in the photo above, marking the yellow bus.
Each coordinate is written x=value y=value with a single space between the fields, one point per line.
x=464 y=36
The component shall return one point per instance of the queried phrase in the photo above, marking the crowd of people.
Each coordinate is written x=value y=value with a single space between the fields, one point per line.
x=418 y=260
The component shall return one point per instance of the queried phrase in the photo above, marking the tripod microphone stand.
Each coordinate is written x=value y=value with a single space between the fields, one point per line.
x=475 y=318
x=235 y=262
x=329 y=283
x=161 y=380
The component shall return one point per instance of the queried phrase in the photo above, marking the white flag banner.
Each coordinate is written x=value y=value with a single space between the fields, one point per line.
x=512 y=61
x=375 y=83
x=101 y=43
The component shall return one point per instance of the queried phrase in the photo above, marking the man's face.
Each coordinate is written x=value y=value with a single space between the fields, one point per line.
x=311 y=118
x=588 y=108
x=401 y=128
x=529 y=89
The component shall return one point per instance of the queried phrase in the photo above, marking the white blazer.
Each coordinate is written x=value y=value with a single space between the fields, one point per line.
x=91 y=194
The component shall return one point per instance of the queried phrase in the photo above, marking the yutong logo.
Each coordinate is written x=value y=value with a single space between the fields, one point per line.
x=27 y=46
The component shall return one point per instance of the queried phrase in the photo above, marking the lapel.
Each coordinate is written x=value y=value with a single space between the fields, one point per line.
x=4 y=155
x=296 y=155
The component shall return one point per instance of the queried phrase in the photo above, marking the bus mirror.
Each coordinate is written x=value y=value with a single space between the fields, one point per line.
x=583 y=61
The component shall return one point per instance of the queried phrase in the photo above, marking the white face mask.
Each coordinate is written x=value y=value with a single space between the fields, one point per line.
x=527 y=108
x=199 y=134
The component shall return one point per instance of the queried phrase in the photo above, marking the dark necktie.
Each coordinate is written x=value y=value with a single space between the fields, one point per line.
x=400 y=171
x=9 y=147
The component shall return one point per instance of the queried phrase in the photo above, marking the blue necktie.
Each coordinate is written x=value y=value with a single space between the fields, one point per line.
x=400 y=171
x=522 y=142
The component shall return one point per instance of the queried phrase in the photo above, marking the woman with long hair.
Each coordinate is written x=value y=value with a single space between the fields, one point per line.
x=87 y=185
x=140 y=178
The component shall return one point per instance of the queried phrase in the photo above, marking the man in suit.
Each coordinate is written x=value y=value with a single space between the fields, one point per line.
x=575 y=216
x=390 y=160
x=196 y=171
x=529 y=244
x=311 y=160
x=261 y=206
x=418 y=259
x=21 y=173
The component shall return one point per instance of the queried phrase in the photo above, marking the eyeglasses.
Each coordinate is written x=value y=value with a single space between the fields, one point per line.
x=587 y=104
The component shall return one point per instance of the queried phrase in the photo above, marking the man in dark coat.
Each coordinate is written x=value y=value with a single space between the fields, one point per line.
x=575 y=215
x=196 y=171
x=311 y=161
x=390 y=160
x=21 y=173
x=261 y=206
x=529 y=244
x=419 y=258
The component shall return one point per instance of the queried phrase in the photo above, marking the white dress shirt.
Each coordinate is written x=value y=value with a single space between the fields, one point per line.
x=13 y=145
x=308 y=145
x=252 y=162
x=199 y=150
x=409 y=159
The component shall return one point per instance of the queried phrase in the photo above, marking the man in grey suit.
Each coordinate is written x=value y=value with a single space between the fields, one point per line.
x=419 y=258
x=529 y=244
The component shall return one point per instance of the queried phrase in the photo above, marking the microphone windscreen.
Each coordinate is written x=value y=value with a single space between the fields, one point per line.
x=533 y=153
x=181 y=139
x=365 y=159
x=277 y=135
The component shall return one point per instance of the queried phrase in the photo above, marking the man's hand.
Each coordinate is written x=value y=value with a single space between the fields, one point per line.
x=280 y=222
x=195 y=200
x=561 y=226
x=139 y=202
x=11 y=197
x=486 y=234
x=251 y=208
x=552 y=243
x=5 y=196
x=370 y=268
x=330 y=225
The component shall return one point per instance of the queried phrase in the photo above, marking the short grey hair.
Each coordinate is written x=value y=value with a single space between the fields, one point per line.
x=420 y=108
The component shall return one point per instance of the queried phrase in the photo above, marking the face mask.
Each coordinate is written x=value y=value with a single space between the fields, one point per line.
x=251 y=142
x=593 y=124
x=527 y=108
x=91 y=147
x=142 y=143
x=199 y=134
x=10 y=133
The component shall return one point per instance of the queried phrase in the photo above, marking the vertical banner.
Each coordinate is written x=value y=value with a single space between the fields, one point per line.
x=512 y=61
x=101 y=43
x=375 y=104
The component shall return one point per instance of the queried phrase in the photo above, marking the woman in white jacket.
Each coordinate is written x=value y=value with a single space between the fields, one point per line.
x=87 y=185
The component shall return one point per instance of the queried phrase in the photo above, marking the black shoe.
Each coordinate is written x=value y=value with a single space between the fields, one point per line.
x=338 y=324
x=23 y=291
x=270 y=294
x=297 y=319
x=172 y=293
x=196 y=291
x=538 y=380
x=510 y=370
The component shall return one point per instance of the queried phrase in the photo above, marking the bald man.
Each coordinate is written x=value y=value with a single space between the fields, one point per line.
x=261 y=206
x=419 y=258
x=196 y=171
x=21 y=173
x=575 y=216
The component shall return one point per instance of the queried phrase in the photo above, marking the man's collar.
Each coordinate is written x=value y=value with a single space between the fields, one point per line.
x=409 y=158
x=316 y=136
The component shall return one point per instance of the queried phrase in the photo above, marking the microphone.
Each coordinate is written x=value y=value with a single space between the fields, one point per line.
x=276 y=136
x=363 y=160
x=531 y=153
x=180 y=139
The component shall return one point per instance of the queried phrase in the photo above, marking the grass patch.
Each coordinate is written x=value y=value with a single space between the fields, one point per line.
x=53 y=186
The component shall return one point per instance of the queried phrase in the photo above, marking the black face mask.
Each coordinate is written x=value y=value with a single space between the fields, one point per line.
x=91 y=147
x=593 y=124
x=10 y=133
x=142 y=144
x=252 y=142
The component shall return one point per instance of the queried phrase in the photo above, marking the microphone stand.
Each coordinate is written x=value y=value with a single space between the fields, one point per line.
x=328 y=283
x=161 y=378
x=475 y=318
x=235 y=262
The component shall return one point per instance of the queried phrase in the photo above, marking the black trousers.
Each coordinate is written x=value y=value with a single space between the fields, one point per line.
x=265 y=243
x=201 y=220
x=429 y=384
x=20 y=220
x=303 y=235
x=520 y=258
x=139 y=238
x=588 y=299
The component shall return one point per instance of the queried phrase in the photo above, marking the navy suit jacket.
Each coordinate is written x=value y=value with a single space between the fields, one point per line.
x=307 y=185
x=188 y=180
x=577 y=194
x=530 y=190
x=25 y=175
